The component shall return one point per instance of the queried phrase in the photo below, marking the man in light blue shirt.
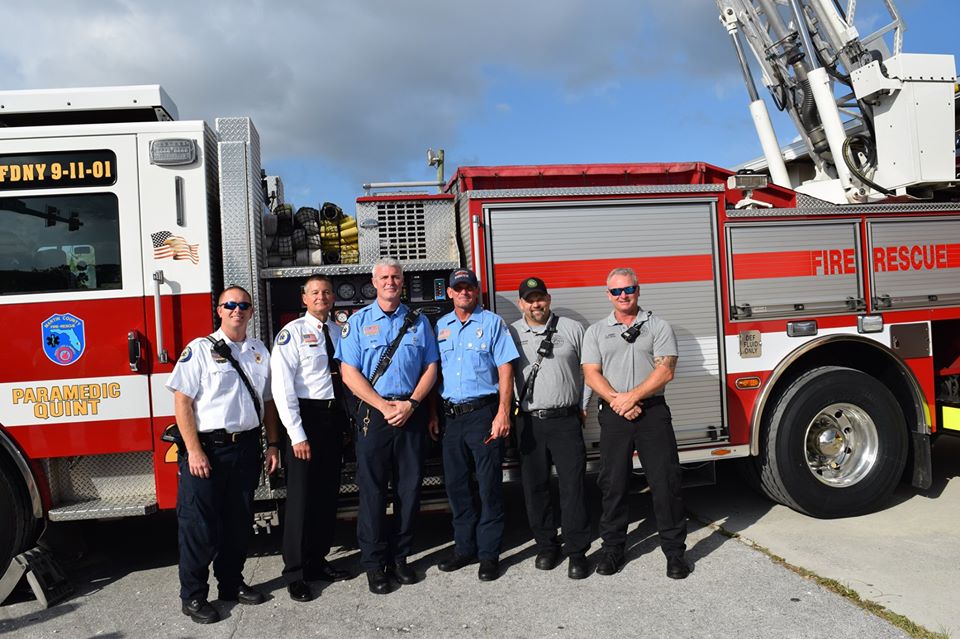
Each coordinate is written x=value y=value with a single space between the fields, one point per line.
x=476 y=352
x=391 y=437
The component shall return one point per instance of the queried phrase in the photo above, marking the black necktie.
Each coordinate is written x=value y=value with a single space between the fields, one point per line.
x=332 y=363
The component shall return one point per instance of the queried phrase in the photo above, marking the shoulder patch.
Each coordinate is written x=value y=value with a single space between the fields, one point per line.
x=186 y=354
x=345 y=330
x=283 y=337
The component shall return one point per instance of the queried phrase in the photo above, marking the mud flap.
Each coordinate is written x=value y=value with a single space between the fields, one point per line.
x=44 y=576
x=922 y=465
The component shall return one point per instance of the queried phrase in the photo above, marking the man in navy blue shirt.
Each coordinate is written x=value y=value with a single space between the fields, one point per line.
x=476 y=352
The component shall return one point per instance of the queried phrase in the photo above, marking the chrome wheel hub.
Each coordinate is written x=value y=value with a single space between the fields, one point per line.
x=841 y=444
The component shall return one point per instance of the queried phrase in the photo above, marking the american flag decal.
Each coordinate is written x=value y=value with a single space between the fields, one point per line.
x=166 y=244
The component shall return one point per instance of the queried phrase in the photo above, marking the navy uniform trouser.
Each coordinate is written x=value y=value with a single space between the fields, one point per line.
x=560 y=441
x=464 y=451
x=215 y=517
x=387 y=455
x=652 y=436
x=313 y=489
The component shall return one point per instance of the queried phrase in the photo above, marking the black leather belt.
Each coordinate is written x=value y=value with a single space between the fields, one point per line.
x=655 y=400
x=397 y=398
x=222 y=437
x=320 y=404
x=455 y=410
x=552 y=413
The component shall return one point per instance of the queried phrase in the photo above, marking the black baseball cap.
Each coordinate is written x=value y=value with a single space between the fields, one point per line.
x=532 y=285
x=463 y=276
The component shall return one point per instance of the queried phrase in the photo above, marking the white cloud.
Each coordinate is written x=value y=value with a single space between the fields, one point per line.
x=363 y=84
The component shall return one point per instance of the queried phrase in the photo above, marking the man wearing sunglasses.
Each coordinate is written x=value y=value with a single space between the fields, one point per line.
x=305 y=381
x=476 y=355
x=550 y=417
x=628 y=359
x=219 y=460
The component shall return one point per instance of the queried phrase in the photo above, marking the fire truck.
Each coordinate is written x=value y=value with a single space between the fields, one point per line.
x=817 y=311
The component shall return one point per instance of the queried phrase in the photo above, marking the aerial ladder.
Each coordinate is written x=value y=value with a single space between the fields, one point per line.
x=877 y=124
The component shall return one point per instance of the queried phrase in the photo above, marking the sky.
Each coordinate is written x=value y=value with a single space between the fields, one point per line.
x=355 y=91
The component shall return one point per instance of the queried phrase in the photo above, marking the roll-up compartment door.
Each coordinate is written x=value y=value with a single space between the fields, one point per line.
x=779 y=270
x=915 y=263
x=574 y=245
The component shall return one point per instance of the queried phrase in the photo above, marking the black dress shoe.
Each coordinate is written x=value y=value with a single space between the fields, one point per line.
x=403 y=573
x=200 y=611
x=300 y=591
x=578 y=567
x=378 y=581
x=455 y=562
x=245 y=594
x=677 y=568
x=325 y=571
x=547 y=559
x=611 y=563
x=489 y=569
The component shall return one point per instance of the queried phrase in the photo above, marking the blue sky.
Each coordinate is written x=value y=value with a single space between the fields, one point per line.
x=348 y=92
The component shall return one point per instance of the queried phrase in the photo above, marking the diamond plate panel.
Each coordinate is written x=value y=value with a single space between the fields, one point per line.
x=99 y=477
x=410 y=231
x=242 y=209
x=350 y=269
x=129 y=506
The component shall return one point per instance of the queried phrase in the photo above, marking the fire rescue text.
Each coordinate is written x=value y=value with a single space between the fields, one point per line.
x=910 y=258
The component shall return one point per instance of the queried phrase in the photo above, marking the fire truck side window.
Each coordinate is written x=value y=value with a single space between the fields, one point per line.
x=55 y=243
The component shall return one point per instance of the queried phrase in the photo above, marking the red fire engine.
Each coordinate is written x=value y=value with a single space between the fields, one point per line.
x=818 y=321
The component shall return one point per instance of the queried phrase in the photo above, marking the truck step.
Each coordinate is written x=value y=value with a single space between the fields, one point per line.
x=127 y=506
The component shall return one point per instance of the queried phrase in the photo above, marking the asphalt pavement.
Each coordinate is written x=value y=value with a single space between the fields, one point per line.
x=126 y=577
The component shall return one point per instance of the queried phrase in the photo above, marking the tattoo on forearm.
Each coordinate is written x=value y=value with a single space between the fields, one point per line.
x=670 y=361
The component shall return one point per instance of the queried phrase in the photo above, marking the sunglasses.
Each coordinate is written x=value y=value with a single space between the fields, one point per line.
x=629 y=290
x=231 y=305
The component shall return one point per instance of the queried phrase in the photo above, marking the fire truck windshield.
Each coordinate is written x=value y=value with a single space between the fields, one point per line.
x=55 y=243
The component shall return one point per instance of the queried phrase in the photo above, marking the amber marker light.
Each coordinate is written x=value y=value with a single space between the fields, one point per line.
x=720 y=452
x=747 y=383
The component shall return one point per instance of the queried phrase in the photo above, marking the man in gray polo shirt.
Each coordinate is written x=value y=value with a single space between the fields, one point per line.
x=549 y=385
x=628 y=359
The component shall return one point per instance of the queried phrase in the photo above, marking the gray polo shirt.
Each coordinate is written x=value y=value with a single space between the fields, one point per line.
x=626 y=365
x=560 y=381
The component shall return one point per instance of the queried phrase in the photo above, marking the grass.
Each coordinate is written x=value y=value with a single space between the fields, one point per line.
x=903 y=623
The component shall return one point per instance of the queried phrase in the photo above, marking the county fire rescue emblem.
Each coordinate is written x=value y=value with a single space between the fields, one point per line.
x=63 y=338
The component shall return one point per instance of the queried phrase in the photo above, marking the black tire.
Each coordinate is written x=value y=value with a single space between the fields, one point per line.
x=17 y=525
x=835 y=444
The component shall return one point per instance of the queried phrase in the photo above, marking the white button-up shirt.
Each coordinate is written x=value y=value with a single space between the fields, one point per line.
x=300 y=369
x=220 y=398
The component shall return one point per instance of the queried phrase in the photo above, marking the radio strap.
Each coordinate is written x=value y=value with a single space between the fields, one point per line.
x=221 y=348
x=545 y=346
x=387 y=358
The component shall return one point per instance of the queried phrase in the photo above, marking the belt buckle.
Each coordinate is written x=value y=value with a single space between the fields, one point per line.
x=233 y=437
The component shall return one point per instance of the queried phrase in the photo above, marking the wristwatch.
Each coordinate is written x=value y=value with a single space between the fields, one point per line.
x=413 y=403
x=273 y=445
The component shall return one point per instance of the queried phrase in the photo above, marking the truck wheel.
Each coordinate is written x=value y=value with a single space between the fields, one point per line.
x=17 y=527
x=835 y=444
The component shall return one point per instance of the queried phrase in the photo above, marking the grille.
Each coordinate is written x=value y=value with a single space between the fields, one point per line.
x=402 y=230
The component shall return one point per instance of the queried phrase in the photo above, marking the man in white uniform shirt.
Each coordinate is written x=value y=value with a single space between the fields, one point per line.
x=219 y=459
x=309 y=396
